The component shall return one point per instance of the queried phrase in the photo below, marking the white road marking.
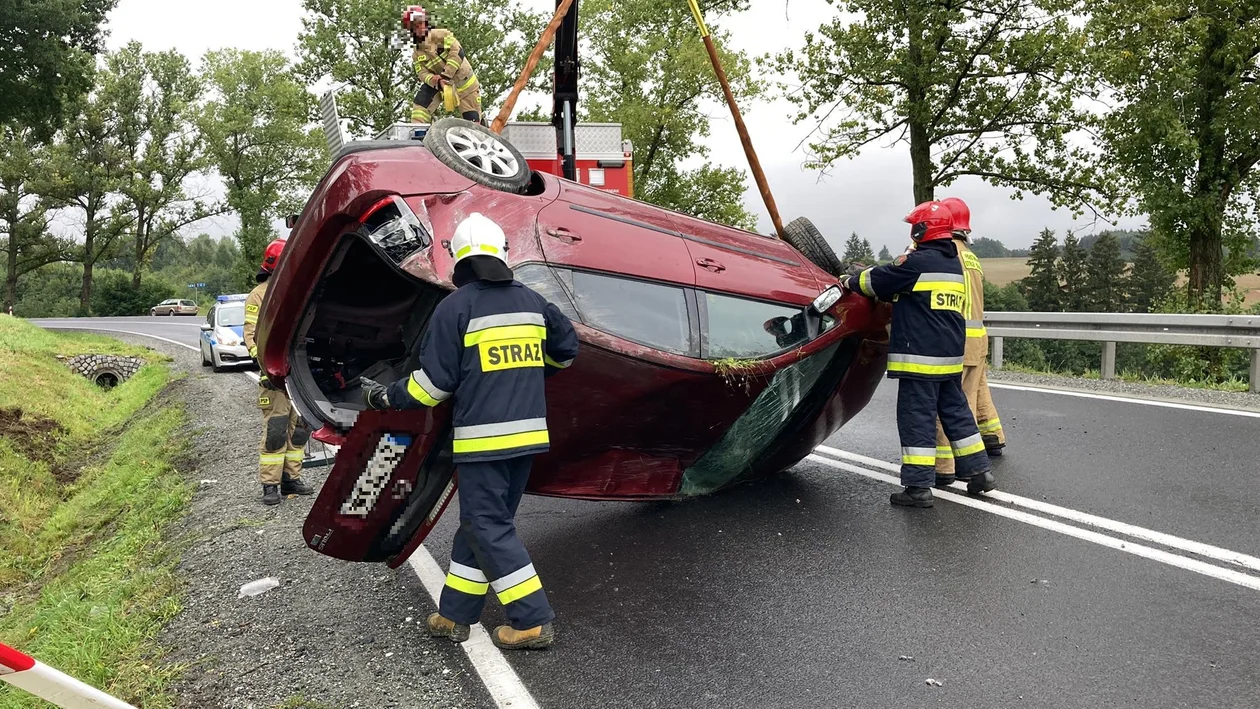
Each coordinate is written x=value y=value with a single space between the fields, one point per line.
x=1233 y=558
x=1164 y=557
x=1127 y=399
x=500 y=679
x=498 y=676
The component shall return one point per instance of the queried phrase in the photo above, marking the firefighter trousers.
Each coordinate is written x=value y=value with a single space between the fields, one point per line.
x=920 y=402
x=487 y=553
x=284 y=438
x=427 y=100
x=986 y=413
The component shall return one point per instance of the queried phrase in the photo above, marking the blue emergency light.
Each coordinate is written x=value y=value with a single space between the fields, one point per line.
x=232 y=298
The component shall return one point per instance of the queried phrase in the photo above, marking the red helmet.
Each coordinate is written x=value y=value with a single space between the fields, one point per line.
x=962 y=215
x=412 y=15
x=271 y=256
x=930 y=221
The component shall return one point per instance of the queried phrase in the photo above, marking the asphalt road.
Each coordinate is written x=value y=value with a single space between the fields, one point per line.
x=809 y=590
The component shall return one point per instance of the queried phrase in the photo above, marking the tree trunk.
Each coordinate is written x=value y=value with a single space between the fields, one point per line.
x=1206 y=274
x=85 y=293
x=918 y=113
x=141 y=235
x=1213 y=181
x=11 y=274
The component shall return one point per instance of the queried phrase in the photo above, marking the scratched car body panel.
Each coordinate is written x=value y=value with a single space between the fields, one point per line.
x=701 y=364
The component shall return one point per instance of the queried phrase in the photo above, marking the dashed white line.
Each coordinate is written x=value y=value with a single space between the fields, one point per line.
x=1198 y=548
x=1127 y=399
x=1164 y=557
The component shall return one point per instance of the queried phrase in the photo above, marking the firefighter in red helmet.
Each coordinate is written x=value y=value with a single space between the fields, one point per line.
x=975 y=381
x=925 y=354
x=442 y=66
x=284 y=433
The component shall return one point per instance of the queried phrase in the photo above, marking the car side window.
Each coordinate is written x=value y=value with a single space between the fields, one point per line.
x=739 y=327
x=210 y=315
x=542 y=280
x=652 y=314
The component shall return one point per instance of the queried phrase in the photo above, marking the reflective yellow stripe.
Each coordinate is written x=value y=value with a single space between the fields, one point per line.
x=944 y=452
x=977 y=332
x=271 y=458
x=453 y=62
x=505 y=332
x=990 y=426
x=945 y=286
x=498 y=443
x=471 y=80
x=418 y=393
x=294 y=455
x=970 y=450
x=968 y=446
x=912 y=368
x=918 y=460
x=520 y=590
x=864 y=283
x=487 y=248
x=558 y=365
x=462 y=585
x=253 y=352
x=251 y=319
x=420 y=115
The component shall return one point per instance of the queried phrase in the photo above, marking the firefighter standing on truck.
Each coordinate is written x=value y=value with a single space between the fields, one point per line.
x=284 y=433
x=925 y=355
x=489 y=344
x=975 y=382
x=441 y=65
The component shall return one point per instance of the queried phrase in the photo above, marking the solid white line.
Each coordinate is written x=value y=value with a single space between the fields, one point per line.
x=1164 y=557
x=1228 y=556
x=500 y=679
x=1127 y=399
x=124 y=332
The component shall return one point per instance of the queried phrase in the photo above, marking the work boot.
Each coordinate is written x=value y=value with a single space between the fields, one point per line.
x=295 y=486
x=992 y=446
x=912 y=497
x=981 y=482
x=271 y=494
x=944 y=481
x=538 y=637
x=442 y=627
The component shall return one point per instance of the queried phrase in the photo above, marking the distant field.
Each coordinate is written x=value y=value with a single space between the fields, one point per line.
x=1000 y=271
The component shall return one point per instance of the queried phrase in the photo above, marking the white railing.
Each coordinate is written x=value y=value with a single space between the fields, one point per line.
x=1242 y=331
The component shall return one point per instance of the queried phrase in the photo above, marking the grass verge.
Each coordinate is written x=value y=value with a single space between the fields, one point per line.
x=88 y=484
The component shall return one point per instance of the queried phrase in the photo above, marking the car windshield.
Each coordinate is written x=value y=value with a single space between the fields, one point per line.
x=747 y=328
x=231 y=315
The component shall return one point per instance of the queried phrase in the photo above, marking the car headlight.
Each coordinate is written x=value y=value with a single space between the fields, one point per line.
x=228 y=338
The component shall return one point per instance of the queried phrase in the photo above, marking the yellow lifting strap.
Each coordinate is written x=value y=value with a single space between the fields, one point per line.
x=448 y=95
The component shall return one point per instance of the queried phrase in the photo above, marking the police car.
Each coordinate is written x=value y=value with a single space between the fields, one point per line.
x=223 y=334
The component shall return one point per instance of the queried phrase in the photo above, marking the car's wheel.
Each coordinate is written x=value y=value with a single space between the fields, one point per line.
x=171 y=313
x=204 y=362
x=218 y=366
x=476 y=153
x=805 y=237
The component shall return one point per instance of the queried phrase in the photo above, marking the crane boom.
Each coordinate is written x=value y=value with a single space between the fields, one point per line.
x=565 y=89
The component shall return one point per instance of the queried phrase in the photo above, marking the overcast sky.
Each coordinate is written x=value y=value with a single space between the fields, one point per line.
x=868 y=195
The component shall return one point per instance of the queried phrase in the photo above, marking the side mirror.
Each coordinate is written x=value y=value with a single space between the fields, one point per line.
x=827 y=299
x=290 y=221
x=206 y=327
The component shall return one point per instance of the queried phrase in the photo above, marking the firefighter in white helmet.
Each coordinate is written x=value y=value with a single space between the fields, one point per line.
x=489 y=345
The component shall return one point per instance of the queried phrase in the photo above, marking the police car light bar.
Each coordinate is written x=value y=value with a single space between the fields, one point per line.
x=232 y=298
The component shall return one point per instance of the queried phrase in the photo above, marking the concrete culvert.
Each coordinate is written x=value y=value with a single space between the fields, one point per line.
x=106 y=371
x=107 y=379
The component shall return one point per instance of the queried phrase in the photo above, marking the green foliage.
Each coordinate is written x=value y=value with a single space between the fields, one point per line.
x=1183 y=136
x=255 y=129
x=1008 y=298
x=50 y=292
x=116 y=294
x=359 y=45
x=985 y=247
x=47 y=61
x=976 y=89
x=647 y=68
x=1152 y=280
x=1106 y=283
x=1071 y=270
x=1041 y=286
x=26 y=243
x=884 y=255
x=859 y=250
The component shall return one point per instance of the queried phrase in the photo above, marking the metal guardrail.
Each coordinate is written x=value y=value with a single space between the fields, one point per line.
x=1241 y=331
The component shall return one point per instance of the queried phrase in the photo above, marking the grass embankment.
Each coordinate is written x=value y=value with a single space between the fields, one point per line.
x=87 y=486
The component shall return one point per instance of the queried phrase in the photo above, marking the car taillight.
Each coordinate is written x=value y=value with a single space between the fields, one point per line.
x=376 y=475
x=391 y=225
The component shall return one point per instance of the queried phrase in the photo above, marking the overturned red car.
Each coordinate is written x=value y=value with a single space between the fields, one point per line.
x=709 y=355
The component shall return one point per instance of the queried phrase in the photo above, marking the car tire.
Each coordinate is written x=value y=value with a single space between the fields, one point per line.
x=805 y=237
x=216 y=365
x=205 y=362
x=478 y=154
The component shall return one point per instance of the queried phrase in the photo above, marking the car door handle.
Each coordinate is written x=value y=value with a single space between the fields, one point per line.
x=564 y=235
x=710 y=264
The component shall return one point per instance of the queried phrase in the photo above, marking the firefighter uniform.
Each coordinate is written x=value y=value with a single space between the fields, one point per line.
x=440 y=57
x=925 y=355
x=975 y=356
x=987 y=416
x=490 y=345
x=284 y=436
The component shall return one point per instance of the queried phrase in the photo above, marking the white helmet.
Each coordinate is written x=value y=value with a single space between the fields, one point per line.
x=478 y=236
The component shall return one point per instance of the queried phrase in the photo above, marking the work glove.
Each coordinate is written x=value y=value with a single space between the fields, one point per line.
x=375 y=394
x=855 y=268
